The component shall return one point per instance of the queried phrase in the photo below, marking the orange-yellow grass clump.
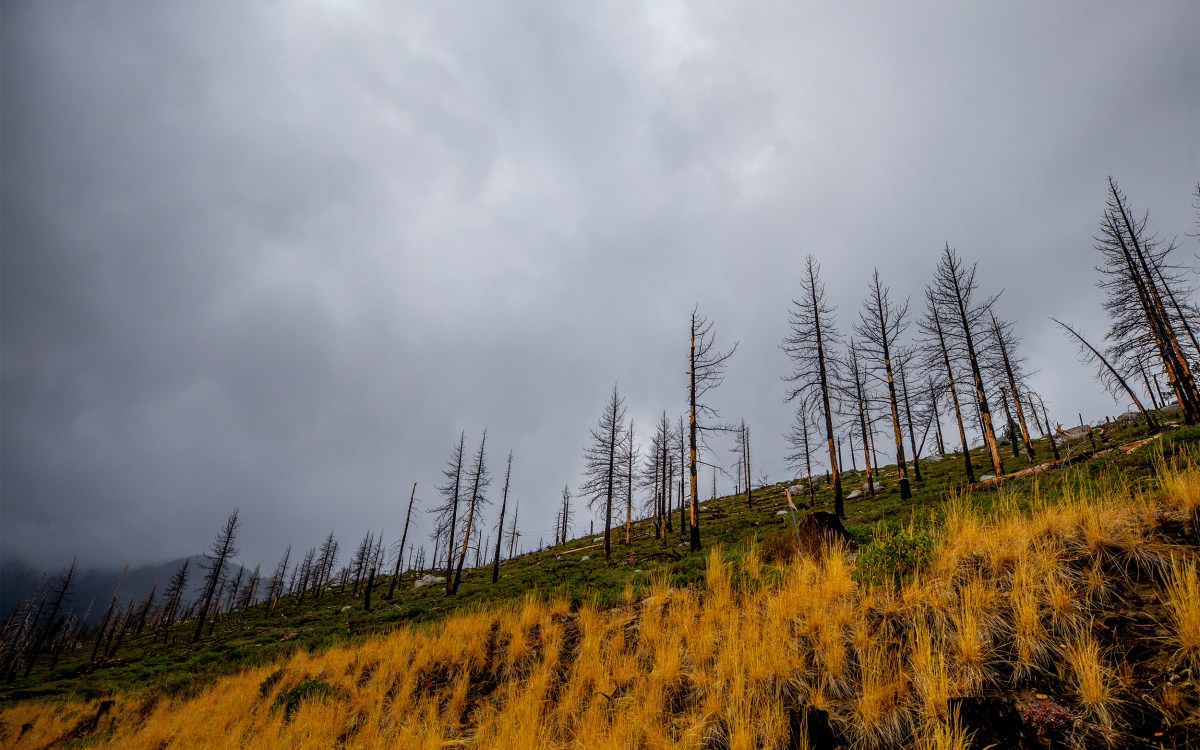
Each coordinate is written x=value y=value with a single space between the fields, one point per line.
x=1010 y=596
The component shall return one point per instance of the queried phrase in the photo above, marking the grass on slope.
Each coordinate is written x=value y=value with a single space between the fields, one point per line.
x=1079 y=610
x=261 y=634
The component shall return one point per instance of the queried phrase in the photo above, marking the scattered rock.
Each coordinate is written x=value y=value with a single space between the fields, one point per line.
x=781 y=512
x=854 y=495
x=347 y=608
x=427 y=580
x=585 y=558
x=638 y=570
x=289 y=637
x=986 y=477
x=598 y=538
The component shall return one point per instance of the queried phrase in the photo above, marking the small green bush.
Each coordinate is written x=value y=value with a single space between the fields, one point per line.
x=269 y=683
x=894 y=555
x=290 y=700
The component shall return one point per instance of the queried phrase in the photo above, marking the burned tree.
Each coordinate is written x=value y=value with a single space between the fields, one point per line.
x=1108 y=375
x=937 y=346
x=564 y=517
x=742 y=449
x=480 y=480
x=857 y=392
x=447 y=513
x=1137 y=276
x=800 y=440
x=275 y=583
x=604 y=462
x=173 y=597
x=1011 y=368
x=513 y=534
x=403 y=541
x=706 y=370
x=809 y=344
x=912 y=434
x=630 y=459
x=880 y=324
x=500 y=523
x=220 y=552
x=50 y=623
x=955 y=288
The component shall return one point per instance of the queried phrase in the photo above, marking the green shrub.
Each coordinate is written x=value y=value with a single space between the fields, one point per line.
x=894 y=555
x=269 y=683
x=290 y=700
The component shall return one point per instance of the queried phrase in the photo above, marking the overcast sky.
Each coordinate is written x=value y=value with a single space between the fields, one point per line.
x=277 y=255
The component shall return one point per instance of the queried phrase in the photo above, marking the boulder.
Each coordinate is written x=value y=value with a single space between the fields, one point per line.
x=854 y=495
x=867 y=486
x=986 y=477
x=781 y=512
x=428 y=580
x=585 y=558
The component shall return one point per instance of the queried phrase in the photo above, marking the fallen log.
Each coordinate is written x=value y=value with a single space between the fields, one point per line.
x=1062 y=462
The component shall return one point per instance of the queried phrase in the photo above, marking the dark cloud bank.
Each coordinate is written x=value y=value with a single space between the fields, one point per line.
x=275 y=256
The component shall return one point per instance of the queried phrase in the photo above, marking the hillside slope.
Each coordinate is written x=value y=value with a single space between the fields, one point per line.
x=1032 y=617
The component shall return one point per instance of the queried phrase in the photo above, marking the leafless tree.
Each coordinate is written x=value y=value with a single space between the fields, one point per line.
x=955 y=288
x=1137 y=280
x=631 y=454
x=500 y=523
x=809 y=344
x=604 y=463
x=446 y=523
x=480 y=479
x=220 y=552
x=907 y=404
x=857 y=393
x=800 y=440
x=513 y=534
x=321 y=568
x=275 y=585
x=1108 y=375
x=742 y=449
x=1010 y=364
x=937 y=347
x=403 y=540
x=706 y=371
x=881 y=322
x=173 y=598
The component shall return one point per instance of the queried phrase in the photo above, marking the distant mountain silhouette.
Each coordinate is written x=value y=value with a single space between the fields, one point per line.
x=19 y=580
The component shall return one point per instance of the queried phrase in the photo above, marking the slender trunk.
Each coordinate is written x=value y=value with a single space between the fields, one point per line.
x=1149 y=390
x=839 y=506
x=1008 y=420
x=453 y=518
x=403 y=541
x=985 y=414
x=1111 y=371
x=912 y=435
x=1046 y=417
x=500 y=525
x=694 y=521
x=1173 y=353
x=612 y=475
x=962 y=431
x=862 y=420
x=629 y=496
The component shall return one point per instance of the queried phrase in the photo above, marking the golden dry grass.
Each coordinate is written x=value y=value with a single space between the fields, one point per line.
x=1007 y=597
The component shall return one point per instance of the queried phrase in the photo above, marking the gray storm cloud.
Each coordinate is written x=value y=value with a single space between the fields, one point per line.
x=276 y=256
